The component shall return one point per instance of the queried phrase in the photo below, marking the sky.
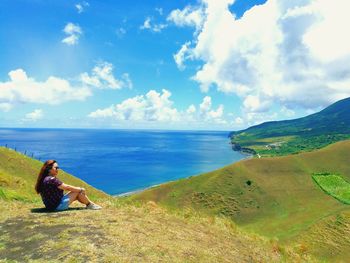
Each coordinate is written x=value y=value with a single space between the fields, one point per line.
x=178 y=65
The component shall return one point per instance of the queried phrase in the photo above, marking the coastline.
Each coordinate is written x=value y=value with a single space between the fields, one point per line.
x=247 y=156
x=243 y=150
x=137 y=191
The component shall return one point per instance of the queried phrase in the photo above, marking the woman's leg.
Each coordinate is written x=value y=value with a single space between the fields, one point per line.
x=81 y=197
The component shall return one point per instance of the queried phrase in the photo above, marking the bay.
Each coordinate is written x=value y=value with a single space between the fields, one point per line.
x=120 y=161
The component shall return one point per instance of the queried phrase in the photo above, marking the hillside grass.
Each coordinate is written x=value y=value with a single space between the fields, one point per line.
x=127 y=233
x=274 y=197
x=18 y=175
x=334 y=185
x=120 y=232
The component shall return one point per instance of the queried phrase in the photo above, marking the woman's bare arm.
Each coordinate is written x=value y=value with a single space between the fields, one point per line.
x=71 y=188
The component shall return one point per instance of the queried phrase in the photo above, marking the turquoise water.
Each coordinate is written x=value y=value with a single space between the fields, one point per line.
x=120 y=161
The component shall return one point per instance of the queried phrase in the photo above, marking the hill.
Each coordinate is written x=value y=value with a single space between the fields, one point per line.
x=18 y=175
x=120 y=232
x=275 y=197
x=299 y=135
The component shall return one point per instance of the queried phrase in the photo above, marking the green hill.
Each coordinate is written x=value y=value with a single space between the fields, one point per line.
x=18 y=174
x=299 y=135
x=275 y=197
x=120 y=232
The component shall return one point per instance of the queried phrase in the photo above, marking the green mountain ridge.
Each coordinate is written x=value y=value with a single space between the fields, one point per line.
x=315 y=131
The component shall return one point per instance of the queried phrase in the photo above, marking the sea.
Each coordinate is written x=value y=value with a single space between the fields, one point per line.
x=120 y=162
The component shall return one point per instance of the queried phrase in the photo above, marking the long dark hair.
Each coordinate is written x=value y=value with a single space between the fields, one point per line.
x=43 y=173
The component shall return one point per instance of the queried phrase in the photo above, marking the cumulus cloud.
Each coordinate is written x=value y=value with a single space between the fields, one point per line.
x=255 y=104
x=81 y=6
x=207 y=113
x=189 y=16
x=102 y=77
x=22 y=89
x=34 y=116
x=158 y=107
x=182 y=55
x=149 y=25
x=73 y=33
x=288 y=53
x=191 y=109
x=153 y=106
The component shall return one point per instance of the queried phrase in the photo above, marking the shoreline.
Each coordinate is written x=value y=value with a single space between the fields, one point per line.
x=247 y=156
x=138 y=190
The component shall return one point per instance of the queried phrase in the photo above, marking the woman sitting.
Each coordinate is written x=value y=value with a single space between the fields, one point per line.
x=51 y=190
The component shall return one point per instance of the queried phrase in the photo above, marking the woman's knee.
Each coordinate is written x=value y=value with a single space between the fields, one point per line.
x=82 y=194
x=73 y=196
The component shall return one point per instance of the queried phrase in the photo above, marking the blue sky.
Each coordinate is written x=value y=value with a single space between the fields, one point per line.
x=204 y=64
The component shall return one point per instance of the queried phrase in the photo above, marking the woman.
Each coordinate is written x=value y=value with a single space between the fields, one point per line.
x=51 y=190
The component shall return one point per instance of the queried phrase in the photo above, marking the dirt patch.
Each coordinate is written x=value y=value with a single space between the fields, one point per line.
x=29 y=238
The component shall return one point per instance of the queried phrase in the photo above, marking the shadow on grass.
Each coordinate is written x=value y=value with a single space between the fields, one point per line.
x=44 y=210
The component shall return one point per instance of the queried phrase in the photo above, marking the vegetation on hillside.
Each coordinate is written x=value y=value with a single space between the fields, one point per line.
x=275 y=197
x=299 y=135
x=334 y=185
x=127 y=233
x=18 y=174
x=120 y=232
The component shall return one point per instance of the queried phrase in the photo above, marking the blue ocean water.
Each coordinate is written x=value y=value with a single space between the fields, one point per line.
x=120 y=161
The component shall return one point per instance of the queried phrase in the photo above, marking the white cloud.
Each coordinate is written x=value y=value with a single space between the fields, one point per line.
x=254 y=104
x=239 y=121
x=290 y=53
x=103 y=113
x=34 y=116
x=189 y=16
x=153 y=106
x=103 y=78
x=191 y=109
x=159 y=10
x=120 y=32
x=23 y=89
x=73 y=33
x=149 y=25
x=182 y=55
x=5 y=106
x=287 y=112
x=146 y=24
x=207 y=113
x=157 y=107
x=81 y=6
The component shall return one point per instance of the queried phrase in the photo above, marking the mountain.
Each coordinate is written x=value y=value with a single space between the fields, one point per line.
x=274 y=197
x=315 y=131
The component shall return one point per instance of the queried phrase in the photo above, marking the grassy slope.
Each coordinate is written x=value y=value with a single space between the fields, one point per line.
x=18 y=174
x=118 y=233
x=282 y=199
